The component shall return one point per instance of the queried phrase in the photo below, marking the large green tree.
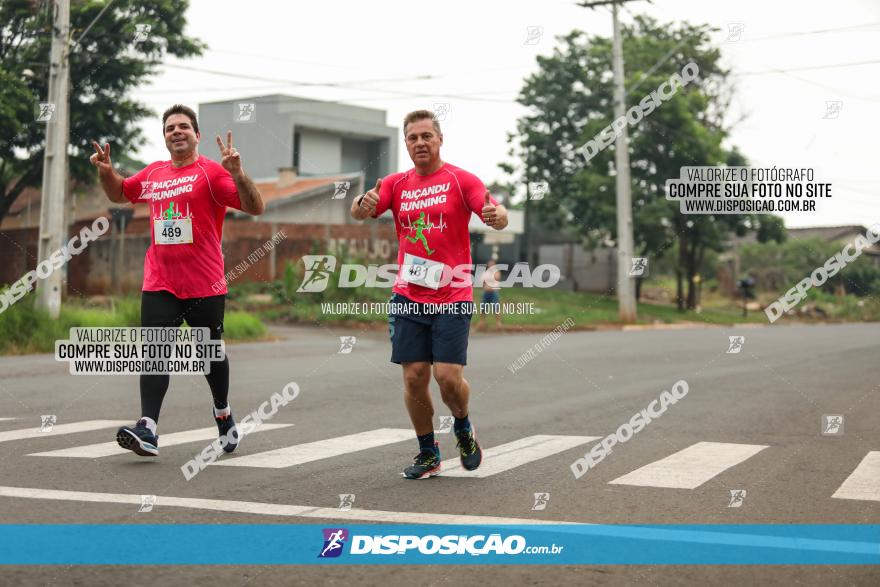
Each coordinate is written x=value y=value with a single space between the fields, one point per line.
x=120 y=51
x=570 y=101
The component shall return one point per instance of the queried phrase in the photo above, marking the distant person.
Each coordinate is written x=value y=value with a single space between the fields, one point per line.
x=491 y=300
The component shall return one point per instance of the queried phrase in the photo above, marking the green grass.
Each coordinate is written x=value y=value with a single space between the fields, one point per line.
x=122 y=312
x=588 y=309
x=24 y=329
x=242 y=326
x=550 y=307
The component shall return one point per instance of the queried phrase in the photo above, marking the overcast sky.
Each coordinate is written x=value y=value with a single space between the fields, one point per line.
x=476 y=54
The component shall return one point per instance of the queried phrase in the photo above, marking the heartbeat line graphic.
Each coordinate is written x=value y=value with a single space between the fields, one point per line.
x=429 y=225
x=160 y=215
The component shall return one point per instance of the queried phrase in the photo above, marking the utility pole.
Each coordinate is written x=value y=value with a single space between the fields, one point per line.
x=527 y=217
x=55 y=114
x=626 y=299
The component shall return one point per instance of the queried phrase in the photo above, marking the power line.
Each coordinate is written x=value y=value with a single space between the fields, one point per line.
x=343 y=84
x=816 y=32
x=357 y=85
x=472 y=96
x=799 y=33
x=347 y=85
x=809 y=67
x=75 y=44
x=281 y=86
x=835 y=90
x=281 y=59
x=413 y=77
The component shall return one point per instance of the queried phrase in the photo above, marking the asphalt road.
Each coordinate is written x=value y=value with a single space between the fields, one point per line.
x=750 y=421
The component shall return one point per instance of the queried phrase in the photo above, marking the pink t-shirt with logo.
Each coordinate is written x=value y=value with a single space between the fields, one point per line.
x=199 y=192
x=431 y=215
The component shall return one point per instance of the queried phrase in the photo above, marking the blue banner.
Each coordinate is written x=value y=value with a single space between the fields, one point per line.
x=575 y=544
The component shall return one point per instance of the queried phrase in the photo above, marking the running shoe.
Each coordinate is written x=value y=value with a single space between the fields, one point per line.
x=426 y=464
x=468 y=448
x=226 y=426
x=138 y=439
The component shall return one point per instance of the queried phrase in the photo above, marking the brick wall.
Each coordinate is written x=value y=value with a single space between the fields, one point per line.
x=110 y=265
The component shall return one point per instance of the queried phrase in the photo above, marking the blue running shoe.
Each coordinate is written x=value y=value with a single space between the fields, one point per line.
x=227 y=428
x=426 y=464
x=468 y=448
x=139 y=439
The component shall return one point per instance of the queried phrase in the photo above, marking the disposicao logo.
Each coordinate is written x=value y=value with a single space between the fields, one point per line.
x=334 y=540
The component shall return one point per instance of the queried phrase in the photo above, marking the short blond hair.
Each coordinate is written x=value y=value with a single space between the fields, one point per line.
x=420 y=115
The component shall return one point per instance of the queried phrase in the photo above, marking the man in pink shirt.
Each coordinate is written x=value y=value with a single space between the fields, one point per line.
x=430 y=311
x=183 y=268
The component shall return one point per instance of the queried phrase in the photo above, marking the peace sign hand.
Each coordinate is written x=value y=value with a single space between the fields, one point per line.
x=101 y=157
x=231 y=158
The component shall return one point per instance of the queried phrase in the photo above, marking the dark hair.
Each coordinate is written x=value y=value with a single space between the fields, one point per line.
x=181 y=109
x=421 y=115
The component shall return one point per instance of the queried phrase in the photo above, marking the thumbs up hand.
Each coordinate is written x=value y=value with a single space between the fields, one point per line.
x=371 y=199
x=494 y=216
x=489 y=211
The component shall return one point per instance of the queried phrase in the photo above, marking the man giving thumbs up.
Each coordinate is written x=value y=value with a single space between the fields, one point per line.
x=430 y=311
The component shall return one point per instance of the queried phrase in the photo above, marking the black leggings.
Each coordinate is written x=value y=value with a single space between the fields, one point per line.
x=162 y=308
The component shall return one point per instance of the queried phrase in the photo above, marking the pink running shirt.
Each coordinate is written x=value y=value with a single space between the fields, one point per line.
x=194 y=197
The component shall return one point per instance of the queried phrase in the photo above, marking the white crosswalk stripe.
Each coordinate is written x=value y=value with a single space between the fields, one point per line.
x=691 y=467
x=106 y=449
x=59 y=429
x=864 y=482
x=515 y=454
x=686 y=469
x=298 y=454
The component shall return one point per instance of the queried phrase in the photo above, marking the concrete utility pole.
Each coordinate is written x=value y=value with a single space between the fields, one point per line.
x=55 y=114
x=626 y=299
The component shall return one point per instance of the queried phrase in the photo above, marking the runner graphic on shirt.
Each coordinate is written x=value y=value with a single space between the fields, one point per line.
x=170 y=213
x=172 y=226
x=420 y=225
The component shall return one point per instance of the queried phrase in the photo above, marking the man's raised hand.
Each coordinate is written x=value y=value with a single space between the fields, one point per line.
x=489 y=211
x=101 y=157
x=371 y=198
x=231 y=158
x=494 y=216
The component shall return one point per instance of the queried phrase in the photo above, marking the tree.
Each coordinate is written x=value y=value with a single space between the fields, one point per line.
x=779 y=266
x=570 y=101
x=120 y=51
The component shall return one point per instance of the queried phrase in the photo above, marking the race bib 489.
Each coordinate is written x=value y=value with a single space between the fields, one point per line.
x=172 y=232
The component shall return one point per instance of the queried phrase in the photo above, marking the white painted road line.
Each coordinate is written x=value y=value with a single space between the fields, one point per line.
x=106 y=449
x=691 y=467
x=298 y=454
x=6 y=419
x=266 y=509
x=864 y=482
x=58 y=429
x=514 y=454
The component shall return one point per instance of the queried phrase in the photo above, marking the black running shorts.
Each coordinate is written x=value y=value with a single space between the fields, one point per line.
x=429 y=333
